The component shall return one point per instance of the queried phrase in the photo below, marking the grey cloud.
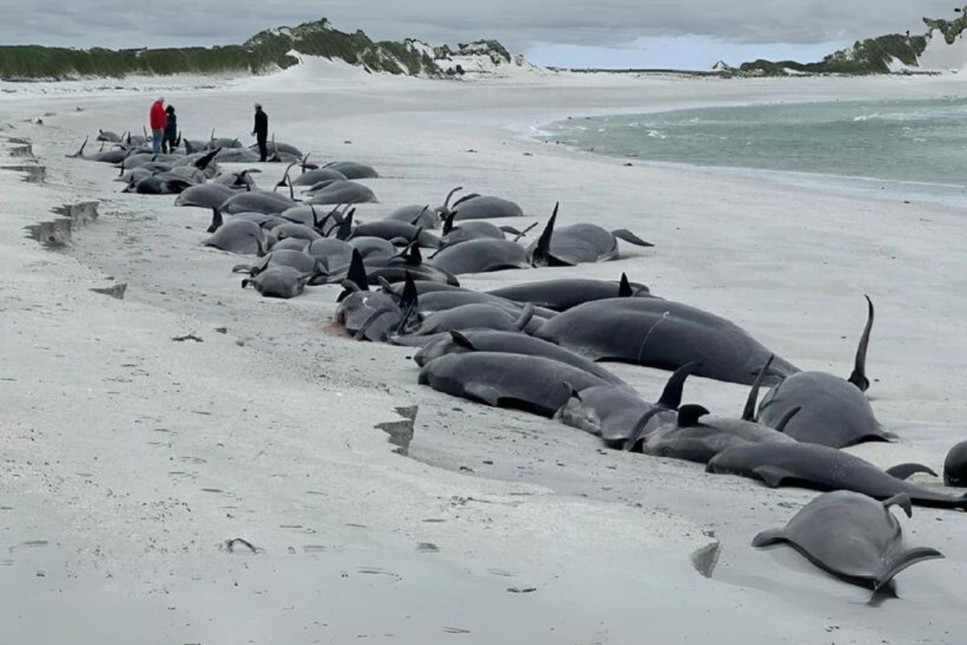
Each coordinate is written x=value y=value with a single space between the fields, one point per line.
x=517 y=23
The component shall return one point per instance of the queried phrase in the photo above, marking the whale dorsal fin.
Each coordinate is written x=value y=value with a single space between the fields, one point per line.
x=902 y=500
x=448 y=222
x=671 y=396
x=357 y=271
x=903 y=471
x=689 y=415
x=624 y=287
x=858 y=377
x=409 y=302
x=541 y=257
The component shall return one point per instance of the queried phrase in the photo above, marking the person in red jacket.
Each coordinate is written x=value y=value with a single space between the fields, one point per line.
x=156 y=117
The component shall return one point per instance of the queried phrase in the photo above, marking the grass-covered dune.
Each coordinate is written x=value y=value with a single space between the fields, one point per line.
x=32 y=62
x=267 y=50
x=871 y=56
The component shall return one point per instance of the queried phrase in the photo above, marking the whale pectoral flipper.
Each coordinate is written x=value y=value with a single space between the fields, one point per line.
x=462 y=340
x=525 y=317
x=903 y=560
x=628 y=236
x=748 y=414
x=772 y=476
x=902 y=500
x=571 y=390
x=217 y=221
x=631 y=444
x=519 y=234
x=770 y=537
x=786 y=418
x=486 y=393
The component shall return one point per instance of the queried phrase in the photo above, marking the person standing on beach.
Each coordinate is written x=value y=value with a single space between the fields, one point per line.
x=261 y=131
x=170 y=141
x=156 y=118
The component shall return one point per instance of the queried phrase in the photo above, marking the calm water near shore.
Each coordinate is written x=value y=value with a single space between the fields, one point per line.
x=904 y=148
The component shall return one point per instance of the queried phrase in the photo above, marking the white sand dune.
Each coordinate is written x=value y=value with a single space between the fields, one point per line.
x=127 y=459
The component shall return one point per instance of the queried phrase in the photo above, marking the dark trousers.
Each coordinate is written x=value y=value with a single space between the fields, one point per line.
x=263 y=149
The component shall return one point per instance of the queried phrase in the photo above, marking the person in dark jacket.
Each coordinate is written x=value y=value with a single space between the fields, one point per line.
x=156 y=119
x=170 y=141
x=261 y=131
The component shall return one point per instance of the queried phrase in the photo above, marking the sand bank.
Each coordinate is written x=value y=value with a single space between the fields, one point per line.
x=129 y=458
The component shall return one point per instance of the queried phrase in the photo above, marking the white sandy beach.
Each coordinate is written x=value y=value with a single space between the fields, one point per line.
x=127 y=460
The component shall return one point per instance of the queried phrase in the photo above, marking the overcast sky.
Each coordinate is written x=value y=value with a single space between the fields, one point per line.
x=603 y=33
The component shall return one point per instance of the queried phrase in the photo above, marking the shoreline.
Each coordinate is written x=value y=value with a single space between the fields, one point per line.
x=947 y=194
x=282 y=424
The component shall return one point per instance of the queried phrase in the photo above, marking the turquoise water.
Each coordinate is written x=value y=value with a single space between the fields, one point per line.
x=918 y=141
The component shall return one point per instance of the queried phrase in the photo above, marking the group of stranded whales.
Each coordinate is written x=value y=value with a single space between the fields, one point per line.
x=539 y=346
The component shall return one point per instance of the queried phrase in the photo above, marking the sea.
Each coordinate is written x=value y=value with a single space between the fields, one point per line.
x=896 y=149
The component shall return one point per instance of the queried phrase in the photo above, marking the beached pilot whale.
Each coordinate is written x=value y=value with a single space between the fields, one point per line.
x=312 y=177
x=564 y=293
x=507 y=342
x=823 y=468
x=297 y=259
x=475 y=229
x=256 y=201
x=343 y=191
x=164 y=183
x=391 y=229
x=833 y=411
x=696 y=436
x=663 y=334
x=476 y=206
x=471 y=316
x=619 y=414
x=239 y=236
x=278 y=281
x=480 y=256
x=374 y=315
x=441 y=300
x=353 y=169
x=578 y=243
x=421 y=216
x=955 y=465
x=531 y=383
x=852 y=536
x=208 y=195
